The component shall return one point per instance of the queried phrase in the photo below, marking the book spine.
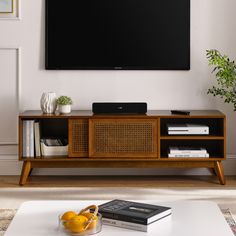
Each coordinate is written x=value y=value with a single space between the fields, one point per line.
x=24 y=148
x=123 y=218
x=27 y=139
x=188 y=152
x=31 y=138
x=37 y=139
x=123 y=224
x=188 y=155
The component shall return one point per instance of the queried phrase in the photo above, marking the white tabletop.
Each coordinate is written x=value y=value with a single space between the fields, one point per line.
x=189 y=218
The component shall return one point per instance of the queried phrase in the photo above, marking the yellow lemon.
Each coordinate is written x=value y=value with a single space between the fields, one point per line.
x=68 y=215
x=94 y=222
x=76 y=224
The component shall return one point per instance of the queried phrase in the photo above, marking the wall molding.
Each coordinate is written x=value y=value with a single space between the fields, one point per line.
x=15 y=16
x=18 y=85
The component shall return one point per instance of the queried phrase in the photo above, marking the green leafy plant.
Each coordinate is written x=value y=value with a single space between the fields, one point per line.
x=64 y=100
x=225 y=72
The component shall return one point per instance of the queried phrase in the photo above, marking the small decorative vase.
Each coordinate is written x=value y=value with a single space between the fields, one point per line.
x=48 y=102
x=64 y=109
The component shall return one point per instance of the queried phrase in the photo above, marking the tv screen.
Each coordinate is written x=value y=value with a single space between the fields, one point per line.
x=118 y=34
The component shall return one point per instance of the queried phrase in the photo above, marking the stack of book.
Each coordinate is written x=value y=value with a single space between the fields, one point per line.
x=187 y=152
x=132 y=215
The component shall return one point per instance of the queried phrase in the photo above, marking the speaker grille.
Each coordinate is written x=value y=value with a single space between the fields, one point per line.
x=78 y=137
x=121 y=138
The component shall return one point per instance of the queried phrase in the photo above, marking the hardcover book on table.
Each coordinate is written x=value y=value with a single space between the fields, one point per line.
x=117 y=212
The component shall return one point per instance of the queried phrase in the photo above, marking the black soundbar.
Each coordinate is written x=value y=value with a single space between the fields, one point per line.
x=119 y=107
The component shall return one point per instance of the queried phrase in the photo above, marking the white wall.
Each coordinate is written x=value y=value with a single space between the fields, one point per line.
x=213 y=25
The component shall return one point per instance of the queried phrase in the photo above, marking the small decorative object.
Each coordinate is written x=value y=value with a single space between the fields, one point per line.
x=225 y=75
x=64 y=104
x=48 y=102
x=82 y=223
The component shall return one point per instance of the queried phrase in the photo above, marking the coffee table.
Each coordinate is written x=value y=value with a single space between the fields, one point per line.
x=195 y=218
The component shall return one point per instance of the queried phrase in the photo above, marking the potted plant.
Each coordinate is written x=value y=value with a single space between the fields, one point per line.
x=225 y=70
x=64 y=104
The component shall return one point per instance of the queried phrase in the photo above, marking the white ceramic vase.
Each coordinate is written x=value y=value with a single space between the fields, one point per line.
x=64 y=109
x=48 y=102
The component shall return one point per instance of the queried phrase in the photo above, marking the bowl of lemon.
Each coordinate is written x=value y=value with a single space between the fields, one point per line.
x=81 y=223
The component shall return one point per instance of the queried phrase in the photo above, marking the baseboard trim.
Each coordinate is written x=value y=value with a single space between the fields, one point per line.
x=9 y=165
x=231 y=156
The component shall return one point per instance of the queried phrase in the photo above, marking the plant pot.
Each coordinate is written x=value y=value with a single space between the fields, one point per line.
x=64 y=109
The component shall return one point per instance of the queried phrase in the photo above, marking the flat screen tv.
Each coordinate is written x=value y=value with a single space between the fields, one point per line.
x=118 y=34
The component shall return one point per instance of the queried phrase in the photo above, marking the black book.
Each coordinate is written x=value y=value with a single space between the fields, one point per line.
x=135 y=212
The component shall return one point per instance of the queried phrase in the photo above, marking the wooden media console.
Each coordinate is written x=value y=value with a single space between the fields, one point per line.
x=125 y=141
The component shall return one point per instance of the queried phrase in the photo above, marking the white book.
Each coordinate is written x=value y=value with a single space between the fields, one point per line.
x=189 y=155
x=187 y=150
x=124 y=224
x=31 y=138
x=134 y=226
x=27 y=138
x=37 y=139
x=24 y=139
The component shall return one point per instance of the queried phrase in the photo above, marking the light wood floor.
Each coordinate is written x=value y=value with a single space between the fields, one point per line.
x=119 y=181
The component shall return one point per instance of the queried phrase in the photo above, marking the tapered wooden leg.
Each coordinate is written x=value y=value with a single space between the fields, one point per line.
x=25 y=172
x=220 y=172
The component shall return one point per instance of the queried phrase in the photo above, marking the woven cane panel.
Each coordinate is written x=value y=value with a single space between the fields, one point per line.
x=79 y=139
x=120 y=138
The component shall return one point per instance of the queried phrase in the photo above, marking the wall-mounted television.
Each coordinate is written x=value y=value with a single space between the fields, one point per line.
x=118 y=34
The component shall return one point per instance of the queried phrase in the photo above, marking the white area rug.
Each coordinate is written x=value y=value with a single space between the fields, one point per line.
x=12 y=197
